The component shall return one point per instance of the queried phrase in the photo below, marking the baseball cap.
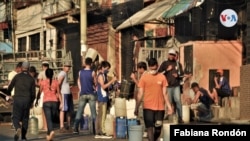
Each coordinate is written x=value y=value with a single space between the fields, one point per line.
x=25 y=65
x=172 y=51
x=194 y=84
x=45 y=62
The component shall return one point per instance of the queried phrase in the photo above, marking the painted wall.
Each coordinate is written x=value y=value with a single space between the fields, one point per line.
x=209 y=55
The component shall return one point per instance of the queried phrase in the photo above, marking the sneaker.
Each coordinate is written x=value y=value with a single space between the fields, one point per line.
x=98 y=136
x=17 y=134
x=145 y=135
x=106 y=136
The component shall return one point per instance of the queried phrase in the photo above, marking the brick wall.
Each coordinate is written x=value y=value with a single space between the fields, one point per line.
x=245 y=92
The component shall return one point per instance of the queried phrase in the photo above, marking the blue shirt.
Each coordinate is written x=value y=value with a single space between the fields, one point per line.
x=225 y=87
x=86 y=82
x=102 y=95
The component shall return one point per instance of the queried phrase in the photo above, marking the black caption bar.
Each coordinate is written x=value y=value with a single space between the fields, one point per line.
x=198 y=132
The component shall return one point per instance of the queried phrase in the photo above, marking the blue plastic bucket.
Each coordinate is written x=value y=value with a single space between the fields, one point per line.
x=84 y=123
x=121 y=127
x=135 y=133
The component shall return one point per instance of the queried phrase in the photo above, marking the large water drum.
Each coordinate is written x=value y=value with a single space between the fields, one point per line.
x=127 y=89
x=84 y=123
x=121 y=127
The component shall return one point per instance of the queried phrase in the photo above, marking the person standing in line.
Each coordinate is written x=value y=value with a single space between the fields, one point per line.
x=41 y=76
x=86 y=84
x=173 y=71
x=103 y=97
x=141 y=69
x=67 y=98
x=25 y=94
x=152 y=90
x=52 y=97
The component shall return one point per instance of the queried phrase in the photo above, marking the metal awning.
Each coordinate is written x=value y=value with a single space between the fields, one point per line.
x=159 y=11
x=6 y=47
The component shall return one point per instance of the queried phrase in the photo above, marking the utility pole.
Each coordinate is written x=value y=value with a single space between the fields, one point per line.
x=83 y=28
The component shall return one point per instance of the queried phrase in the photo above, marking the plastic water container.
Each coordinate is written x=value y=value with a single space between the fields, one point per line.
x=186 y=113
x=135 y=132
x=33 y=125
x=131 y=122
x=84 y=123
x=109 y=124
x=121 y=127
x=120 y=107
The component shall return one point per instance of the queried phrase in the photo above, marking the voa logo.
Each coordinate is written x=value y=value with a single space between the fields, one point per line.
x=228 y=18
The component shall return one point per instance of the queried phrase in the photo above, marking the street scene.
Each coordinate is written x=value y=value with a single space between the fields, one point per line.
x=137 y=70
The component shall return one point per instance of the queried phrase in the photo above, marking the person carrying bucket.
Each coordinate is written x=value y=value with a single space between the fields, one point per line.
x=152 y=90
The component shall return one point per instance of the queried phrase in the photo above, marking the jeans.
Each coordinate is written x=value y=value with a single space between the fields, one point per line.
x=50 y=110
x=83 y=100
x=174 y=96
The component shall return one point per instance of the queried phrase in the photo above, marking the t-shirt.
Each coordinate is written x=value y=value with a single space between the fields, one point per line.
x=65 y=88
x=153 y=94
x=49 y=91
x=10 y=77
x=225 y=87
x=41 y=75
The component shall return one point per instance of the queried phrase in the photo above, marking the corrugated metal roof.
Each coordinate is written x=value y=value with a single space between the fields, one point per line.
x=158 y=11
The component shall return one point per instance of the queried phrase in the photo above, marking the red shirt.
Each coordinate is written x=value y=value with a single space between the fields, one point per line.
x=49 y=90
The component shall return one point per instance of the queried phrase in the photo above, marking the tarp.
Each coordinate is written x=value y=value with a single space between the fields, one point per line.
x=6 y=47
x=159 y=11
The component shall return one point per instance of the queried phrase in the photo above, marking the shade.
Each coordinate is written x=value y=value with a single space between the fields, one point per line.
x=6 y=47
x=159 y=11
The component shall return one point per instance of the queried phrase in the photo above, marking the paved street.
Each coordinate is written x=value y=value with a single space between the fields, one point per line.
x=6 y=134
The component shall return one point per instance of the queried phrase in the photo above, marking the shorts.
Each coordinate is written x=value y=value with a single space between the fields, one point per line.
x=153 y=118
x=68 y=105
x=222 y=93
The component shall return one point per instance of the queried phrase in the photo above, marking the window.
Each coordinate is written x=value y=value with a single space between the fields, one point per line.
x=22 y=44
x=34 y=41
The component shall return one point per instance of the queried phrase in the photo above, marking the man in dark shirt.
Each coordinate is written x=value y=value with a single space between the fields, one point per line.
x=204 y=101
x=173 y=72
x=24 y=96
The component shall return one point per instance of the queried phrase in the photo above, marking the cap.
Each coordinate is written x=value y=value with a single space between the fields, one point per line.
x=194 y=84
x=25 y=65
x=220 y=71
x=67 y=64
x=45 y=62
x=172 y=51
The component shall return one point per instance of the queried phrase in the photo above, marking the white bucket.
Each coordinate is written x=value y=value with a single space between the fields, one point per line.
x=166 y=131
x=186 y=113
x=120 y=107
x=109 y=124
x=135 y=133
x=91 y=53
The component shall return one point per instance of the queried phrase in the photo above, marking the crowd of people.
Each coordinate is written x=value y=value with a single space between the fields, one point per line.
x=53 y=94
x=158 y=87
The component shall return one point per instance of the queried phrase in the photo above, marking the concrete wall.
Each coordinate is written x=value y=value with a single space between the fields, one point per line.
x=209 y=55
